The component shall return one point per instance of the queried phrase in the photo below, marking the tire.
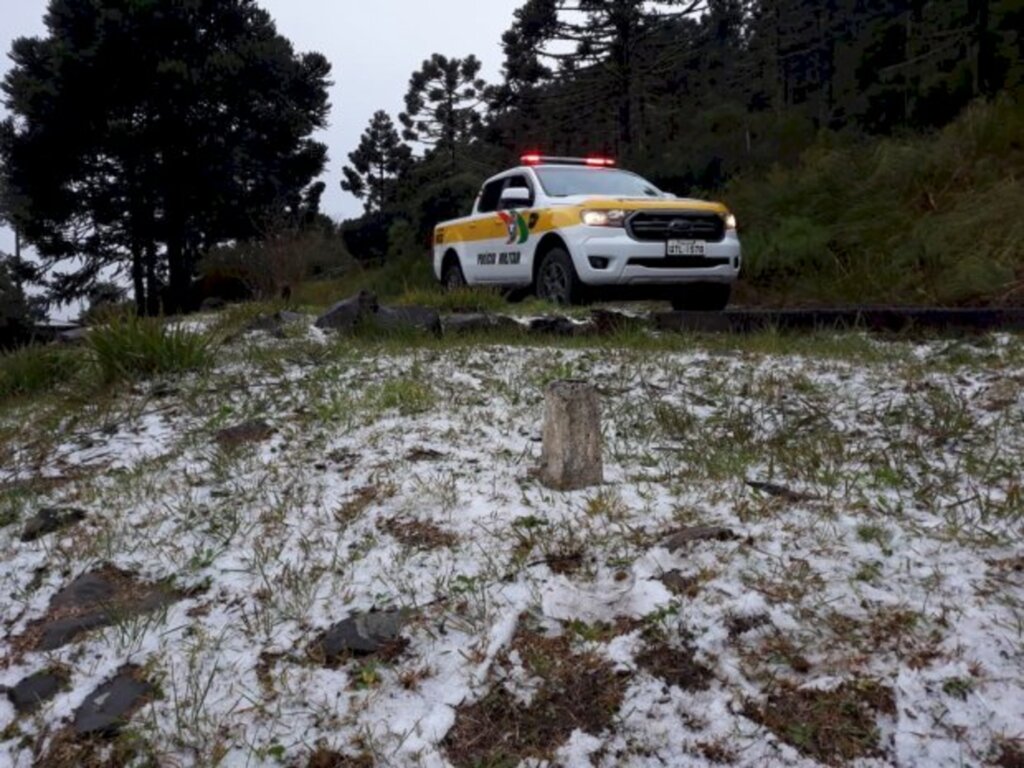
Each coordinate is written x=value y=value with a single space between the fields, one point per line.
x=557 y=280
x=451 y=275
x=702 y=297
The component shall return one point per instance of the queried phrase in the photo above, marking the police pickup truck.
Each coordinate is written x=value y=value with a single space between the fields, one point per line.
x=574 y=228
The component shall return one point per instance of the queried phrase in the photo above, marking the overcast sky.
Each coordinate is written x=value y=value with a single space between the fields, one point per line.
x=374 y=47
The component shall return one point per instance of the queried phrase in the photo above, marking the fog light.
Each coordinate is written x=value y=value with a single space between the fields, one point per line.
x=599 y=262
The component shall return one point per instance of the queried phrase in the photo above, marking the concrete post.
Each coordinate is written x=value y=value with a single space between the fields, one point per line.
x=571 y=455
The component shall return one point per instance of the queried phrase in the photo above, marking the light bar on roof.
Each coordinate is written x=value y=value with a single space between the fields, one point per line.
x=591 y=162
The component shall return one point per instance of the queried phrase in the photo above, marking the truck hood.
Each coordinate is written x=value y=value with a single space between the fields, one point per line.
x=605 y=202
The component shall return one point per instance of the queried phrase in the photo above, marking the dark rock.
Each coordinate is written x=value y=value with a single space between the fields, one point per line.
x=107 y=709
x=58 y=633
x=607 y=322
x=479 y=322
x=30 y=693
x=782 y=492
x=408 y=319
x=89 y=589
x=680 y=539
x=556 y=326
x=255 y=431
x=347 y=315
x=363 y=634
x=94 y=600
x=50 y=520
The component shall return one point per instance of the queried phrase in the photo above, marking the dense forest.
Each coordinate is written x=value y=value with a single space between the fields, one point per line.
x=871 y=149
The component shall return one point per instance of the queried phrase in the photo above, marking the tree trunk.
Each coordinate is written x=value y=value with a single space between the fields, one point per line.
x=982 y=75
x=152 y=288
x=137 y=280
x=177 y=290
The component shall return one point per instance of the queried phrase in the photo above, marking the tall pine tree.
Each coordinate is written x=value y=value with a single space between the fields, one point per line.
x=145 y=133
x=377 y=164
x=443 y=104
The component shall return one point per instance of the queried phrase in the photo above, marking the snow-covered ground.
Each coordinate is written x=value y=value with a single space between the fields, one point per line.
x=890 y=578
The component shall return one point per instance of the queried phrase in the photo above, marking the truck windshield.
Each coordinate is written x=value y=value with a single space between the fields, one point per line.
x=563 y=182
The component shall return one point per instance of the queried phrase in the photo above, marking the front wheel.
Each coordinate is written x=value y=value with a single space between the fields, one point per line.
x=451 y=276
x=702 y=297
x=557 y=280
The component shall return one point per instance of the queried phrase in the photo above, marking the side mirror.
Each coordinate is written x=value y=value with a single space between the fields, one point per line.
x=515 y=197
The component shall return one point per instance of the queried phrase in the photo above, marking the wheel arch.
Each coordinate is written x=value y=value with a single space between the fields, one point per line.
x=451 y=255
x=548 y=243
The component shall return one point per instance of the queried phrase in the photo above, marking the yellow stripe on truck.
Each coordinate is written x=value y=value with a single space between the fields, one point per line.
x=549 y=219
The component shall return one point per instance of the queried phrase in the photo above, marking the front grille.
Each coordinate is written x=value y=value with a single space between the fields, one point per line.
x=659 y=226
x=679 y=262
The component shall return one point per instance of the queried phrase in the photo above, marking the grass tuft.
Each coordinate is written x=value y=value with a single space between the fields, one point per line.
x=37 y=370
x=136 y=348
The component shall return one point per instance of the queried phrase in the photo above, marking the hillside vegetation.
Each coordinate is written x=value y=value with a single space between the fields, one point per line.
x=923 y=220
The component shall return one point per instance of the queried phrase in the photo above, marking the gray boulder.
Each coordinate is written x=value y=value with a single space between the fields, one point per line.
x=408 y=319
x=363 y=634
x=107 y=709
x=347 y=315
x=29 y=694
x=559 y=326
x=50 y=520
x=479 y=322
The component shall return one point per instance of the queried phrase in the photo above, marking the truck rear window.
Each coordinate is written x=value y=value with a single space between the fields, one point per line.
x=564 y=182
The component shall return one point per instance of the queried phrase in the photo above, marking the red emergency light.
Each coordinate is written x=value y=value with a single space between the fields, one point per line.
x=534 y=158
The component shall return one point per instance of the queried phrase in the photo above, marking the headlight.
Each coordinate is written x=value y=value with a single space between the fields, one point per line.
x=612 y=218
x=730 y=221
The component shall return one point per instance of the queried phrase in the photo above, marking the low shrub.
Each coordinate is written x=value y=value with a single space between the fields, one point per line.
x=132 y=348
x=264 y=268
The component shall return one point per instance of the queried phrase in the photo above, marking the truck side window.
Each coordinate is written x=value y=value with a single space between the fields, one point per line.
x=490 y=196
x=520 y=182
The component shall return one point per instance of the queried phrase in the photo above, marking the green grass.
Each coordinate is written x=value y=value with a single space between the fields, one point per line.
x=37 y=370
x=139 y=348
x=396 y=277
x=928 y=220
x=461 y=300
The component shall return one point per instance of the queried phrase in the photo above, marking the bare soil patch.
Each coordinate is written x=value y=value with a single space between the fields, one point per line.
x=576 y=691
x=674 y=663
x=830 y=726
x=419 y=534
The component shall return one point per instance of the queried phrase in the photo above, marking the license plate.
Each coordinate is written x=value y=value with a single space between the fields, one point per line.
x=686 y=248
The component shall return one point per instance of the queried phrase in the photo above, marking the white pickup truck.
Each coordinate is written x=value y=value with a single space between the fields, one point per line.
x=573 y=228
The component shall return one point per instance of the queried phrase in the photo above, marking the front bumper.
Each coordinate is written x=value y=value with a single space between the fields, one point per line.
x=607 y=256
